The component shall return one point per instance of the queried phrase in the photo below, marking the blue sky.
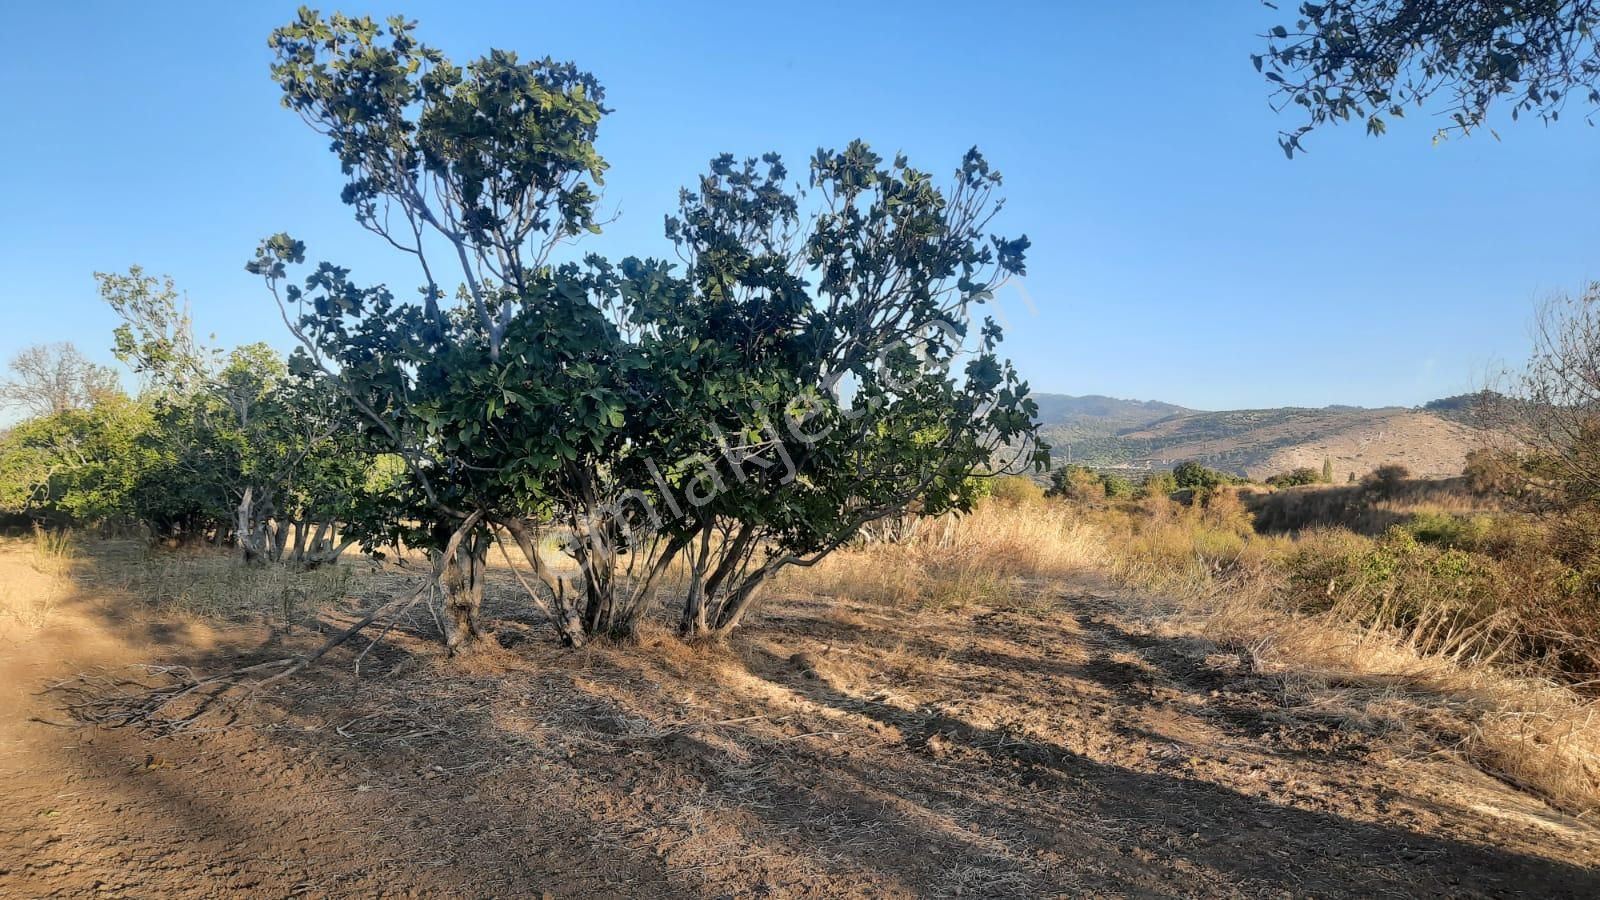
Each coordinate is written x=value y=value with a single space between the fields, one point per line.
x=1176 y=254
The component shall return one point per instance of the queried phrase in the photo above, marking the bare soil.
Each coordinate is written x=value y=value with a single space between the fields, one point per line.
x=1086 y=747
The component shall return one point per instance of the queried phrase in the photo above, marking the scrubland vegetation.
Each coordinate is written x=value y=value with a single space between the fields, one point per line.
x=799 y=622
x=1429 y=583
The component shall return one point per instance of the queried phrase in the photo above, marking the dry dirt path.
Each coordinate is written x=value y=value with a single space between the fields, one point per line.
x=832 y=751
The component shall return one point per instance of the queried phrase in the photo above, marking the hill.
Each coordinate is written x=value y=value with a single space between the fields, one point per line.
x=1130 y=434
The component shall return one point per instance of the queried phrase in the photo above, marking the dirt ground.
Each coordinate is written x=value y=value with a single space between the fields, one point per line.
x=1087 y=747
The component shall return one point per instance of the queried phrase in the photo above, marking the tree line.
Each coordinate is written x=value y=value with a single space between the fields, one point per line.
x=813 y=359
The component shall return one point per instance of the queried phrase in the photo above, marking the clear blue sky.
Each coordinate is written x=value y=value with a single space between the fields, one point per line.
x=1176 y=254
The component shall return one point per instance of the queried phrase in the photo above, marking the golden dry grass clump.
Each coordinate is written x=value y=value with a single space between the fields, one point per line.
x=37 y=579
x=1000 y=554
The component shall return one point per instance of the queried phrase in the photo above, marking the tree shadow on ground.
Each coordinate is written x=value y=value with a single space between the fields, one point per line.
x=668 y=771
x=1308 y=851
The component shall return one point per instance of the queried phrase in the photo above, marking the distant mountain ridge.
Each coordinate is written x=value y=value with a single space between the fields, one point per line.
x=1107 y=432
x=1061 y=407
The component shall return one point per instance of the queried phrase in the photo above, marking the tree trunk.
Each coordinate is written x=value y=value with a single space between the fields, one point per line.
x=252 y=543
x=301 y=528
x=321 y=542
x=279 y=538
x=463 y=590
x=693 y=623
x=733 y=608
x=563 y=613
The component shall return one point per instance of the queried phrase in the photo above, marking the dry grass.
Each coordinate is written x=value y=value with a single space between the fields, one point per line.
x=998 y=555
x=1205 y=571
x=1531 y=732
x=1364 y=508
x=1441 y=670
x=1202 y=570
x=46 y=570
x=1010 y=752
x=214 y=584
x=38 y=579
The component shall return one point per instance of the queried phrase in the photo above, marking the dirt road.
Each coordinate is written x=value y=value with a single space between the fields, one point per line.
x=831 y=751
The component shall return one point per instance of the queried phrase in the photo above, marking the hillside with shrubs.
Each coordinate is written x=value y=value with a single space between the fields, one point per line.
x=1139 y=436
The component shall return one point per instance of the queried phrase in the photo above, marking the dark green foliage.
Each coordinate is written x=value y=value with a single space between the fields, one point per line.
x=1194 y=476
x=1366 y=60
x=734 y=413
x=227 y=447
x=1116 y=486
x=1386 y=479
x=1469 y=409
x=1295 y=478
x=1076 y=482
x=1327 y=471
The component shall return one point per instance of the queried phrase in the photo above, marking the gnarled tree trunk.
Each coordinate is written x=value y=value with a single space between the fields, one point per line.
x=250 y=529
x=462 y=581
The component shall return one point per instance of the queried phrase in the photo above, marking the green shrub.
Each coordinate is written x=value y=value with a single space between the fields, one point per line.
x=1193 y=475
x=1450 y=531
x=1158 y=484
x=1116 y=486
x=1015 y=490
x=1386 y=480
x=1076 y=482
x=1295 y=477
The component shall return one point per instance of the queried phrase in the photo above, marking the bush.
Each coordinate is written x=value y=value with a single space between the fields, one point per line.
x=1223 y=509
x=1494 y=473
x=1116 y=486
x=1076 y=482
x=1194 y=476
x=1015 y=490
x=1295 y=477
x=1386 y=480
x=1451 y=531
x=1158 y=484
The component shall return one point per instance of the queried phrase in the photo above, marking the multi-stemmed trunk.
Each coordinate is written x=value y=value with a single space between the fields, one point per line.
x=251 y=531
x=263 y=536
x=718 y=614
x=723 y=581
x=462 y=582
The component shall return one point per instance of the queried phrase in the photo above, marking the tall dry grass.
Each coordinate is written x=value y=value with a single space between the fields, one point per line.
x=1381 y=630
x=211 y=583
x=1530 y=731
x=1205 y=570
x=40 y=573
x=35 y=577
x=999 y=554
x=1369 y=509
